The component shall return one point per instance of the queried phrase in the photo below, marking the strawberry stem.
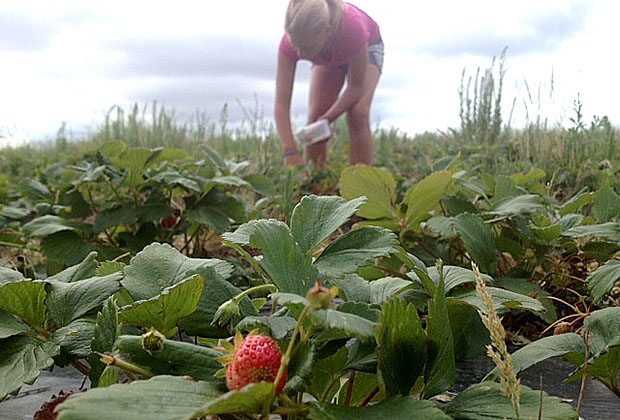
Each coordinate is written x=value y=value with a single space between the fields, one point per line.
x=111 y=360
x=285 y=360
x=247 y=292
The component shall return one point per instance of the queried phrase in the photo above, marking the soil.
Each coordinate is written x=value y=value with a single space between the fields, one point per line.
x=599 y=403
x=24 y=405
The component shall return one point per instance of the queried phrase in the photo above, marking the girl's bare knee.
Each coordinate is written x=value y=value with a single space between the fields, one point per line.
x=358 y=117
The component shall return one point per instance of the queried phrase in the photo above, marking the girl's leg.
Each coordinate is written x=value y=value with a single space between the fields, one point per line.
x=358 y=120
x=325 y=85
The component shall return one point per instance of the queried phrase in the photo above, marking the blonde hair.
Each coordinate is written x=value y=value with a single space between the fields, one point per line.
x=305 y=19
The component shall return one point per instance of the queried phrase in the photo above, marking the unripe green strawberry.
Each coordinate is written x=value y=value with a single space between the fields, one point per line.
x=257 y=359
x=153 y=341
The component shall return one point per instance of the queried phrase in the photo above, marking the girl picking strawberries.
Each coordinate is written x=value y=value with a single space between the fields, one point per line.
x=342 y=42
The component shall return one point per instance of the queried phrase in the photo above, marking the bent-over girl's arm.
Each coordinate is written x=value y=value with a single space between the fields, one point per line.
x=285 y=76
x=355 y=86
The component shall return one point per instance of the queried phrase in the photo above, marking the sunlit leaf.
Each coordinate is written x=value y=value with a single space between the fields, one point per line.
x=25 y=299
x=424 y=197
x=377 y=185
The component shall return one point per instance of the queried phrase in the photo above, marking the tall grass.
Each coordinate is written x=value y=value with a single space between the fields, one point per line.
x=583 y=154
x=150 y=127
x=481 y=115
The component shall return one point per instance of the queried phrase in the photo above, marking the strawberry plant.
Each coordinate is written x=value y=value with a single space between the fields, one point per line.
x=510 y=226
x=344 y=338
x=128 y=198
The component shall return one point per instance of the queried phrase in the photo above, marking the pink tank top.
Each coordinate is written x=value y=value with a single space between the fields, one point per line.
x=356 y=30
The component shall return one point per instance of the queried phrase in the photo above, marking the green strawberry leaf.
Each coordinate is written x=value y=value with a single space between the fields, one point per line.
x=576 y=202
x=175 y=358
x=104 y=335
x=356 y=289
x=424 y=197
x=165 y=310
x=160 y=398
x=377 y=185
x=286 y=263
x=513 y=206
x=301 y=368
x=600 y=230
x=115 y=216
x=338 y=324
x=159 y=266
x=542 y=349
x=8 y=275
x=84 y=270
x=48 y=225
x=355 y=249
x=503 y=300
x=326 y=373
x=74 y=340
x=21 y=361
x=478 y=240
x=440 y=370
x=315 y=218
x=402 y=346
x=468 y=332
x=215 y=292
x=261 y=184
x=485 y=401
x=456 y=276
x=276 y=327
x=10 y=326
x=395 y=408
x=606 y=205
x=109 y=267
x=69 y=301
x=603 y=279
x=249 y=399
x=66 y=247
x=603 y=327
x=25 y=299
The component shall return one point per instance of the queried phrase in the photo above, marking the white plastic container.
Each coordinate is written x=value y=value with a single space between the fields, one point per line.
x=314 y=133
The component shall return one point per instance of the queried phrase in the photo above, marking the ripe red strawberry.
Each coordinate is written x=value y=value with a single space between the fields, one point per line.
x=168 y=222
x=256 y=359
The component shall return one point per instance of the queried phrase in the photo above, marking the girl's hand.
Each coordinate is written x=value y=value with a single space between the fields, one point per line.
x=294 y=160
x=329 y=124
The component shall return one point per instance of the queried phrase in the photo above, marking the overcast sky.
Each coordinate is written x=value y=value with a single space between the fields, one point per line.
x=72 y=60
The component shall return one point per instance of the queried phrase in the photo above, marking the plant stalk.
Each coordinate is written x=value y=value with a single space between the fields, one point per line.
x=254 y=289
x=285 y=360
x=111 y=360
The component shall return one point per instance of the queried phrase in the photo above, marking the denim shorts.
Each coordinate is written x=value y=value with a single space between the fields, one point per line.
x=376 y=53
x=375 y=56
